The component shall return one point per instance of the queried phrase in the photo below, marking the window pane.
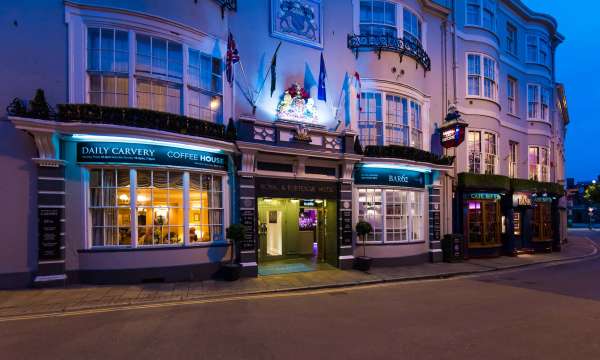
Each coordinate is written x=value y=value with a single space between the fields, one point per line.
x=121 y=52
x=159 y=56
x=143 y=58
x=175 y=60
x=93 y=45
x=107 y=48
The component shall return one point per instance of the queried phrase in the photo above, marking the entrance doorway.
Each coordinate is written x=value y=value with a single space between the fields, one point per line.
x=296 y=235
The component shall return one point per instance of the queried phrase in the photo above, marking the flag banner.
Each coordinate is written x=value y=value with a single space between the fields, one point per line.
x=233 y=56
x=273 y=70
x=322 y=75
x=357 y=86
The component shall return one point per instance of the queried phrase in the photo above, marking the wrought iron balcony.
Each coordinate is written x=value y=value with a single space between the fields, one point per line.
x=228 y=4
x=386 y=42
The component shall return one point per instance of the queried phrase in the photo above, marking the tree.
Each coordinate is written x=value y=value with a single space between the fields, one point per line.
x=592 y=193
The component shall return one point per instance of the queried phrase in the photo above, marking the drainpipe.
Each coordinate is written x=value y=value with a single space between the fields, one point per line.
x=454 y=66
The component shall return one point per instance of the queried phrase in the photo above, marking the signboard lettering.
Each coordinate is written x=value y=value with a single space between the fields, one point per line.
x=453 y=136
x=296 y=188
x=110 y=152
x=388 y=176
x=49 y=234
x=521 y=199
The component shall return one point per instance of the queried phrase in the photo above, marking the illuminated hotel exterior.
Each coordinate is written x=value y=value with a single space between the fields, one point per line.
x=138 y=171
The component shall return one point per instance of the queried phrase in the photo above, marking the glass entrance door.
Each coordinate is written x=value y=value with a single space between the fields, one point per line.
x=542 y=222
x=483 y=223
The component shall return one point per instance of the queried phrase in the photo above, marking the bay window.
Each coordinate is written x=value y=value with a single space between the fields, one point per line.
x=412 y=26
x=395 y=214
x=482 y=152
x=538 y=163
x=481 y=13
x=538 y=100
x=402 y=124
x=161 y=199
x=478 y=80
x=538 y=50
x=157 y=77
x=511 y=91
x=378 y=18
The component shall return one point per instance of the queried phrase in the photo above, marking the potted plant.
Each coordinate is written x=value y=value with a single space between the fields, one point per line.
x=232 y=270
x=363 y=262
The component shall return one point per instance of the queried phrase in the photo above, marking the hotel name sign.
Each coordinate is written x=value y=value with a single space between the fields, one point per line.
x=388 y=177
x=148 y=154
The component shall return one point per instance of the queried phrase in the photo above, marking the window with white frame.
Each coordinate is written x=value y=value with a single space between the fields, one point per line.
x=511 y=94
x=538 y=163
x=402 y=124
x=482 y=152
x=157 y=76
x=513 y=159
x=511 y=38
x=159 y=207
x=412 y=26
x=108 y=67
x=538 y=102
x=481 y=13
x=538 y=50
x=378 y=18
x=481 y=83
x=395 y=214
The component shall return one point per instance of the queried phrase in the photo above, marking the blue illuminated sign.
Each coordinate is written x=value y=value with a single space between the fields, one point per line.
x=148 y=154
x=366 y=175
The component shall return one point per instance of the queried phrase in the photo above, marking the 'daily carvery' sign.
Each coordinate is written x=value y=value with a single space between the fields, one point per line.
x=148 y=154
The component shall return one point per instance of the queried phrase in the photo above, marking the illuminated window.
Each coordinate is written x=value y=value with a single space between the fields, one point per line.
x=205 y=100
x=110 y=207
x=396 y=215
x=206 y=208
x=482 y=152
x=538 y=163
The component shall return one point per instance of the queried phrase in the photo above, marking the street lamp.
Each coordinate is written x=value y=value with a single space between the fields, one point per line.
x=590 y=214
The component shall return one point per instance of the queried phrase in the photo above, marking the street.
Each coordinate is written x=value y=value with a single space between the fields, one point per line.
x=544 y=312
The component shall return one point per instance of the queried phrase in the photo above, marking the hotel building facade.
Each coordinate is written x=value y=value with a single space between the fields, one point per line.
x=149 y=149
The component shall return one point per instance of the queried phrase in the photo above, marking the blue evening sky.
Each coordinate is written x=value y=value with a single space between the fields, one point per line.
x=577 y=61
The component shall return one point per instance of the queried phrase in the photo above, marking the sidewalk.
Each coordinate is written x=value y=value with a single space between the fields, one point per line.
x=84 y=297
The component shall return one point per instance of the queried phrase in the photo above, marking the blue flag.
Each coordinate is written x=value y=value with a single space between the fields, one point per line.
x=322 y=75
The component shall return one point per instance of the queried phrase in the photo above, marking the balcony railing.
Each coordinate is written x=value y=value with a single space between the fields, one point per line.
x=386 y=42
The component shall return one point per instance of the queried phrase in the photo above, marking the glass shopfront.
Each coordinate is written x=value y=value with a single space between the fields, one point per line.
x=483 y=220
x=162 y=197
x=542 y=219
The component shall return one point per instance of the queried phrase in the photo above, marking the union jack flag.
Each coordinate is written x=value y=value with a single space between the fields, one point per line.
x=233 y=56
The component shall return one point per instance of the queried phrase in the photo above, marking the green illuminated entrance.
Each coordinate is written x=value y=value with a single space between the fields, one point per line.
x=296 y=235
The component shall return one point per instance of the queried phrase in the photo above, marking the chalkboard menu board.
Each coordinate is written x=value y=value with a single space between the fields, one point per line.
x=346 y=220
x=49 y=234
x=248 y=220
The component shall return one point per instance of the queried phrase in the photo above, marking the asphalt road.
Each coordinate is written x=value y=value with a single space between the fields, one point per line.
x=548 y=312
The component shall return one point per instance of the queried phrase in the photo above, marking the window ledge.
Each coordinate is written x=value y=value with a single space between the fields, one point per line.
x=514 y=115
x=540 y=121
x=494 y=101
x=153 y=247
x=481 y=27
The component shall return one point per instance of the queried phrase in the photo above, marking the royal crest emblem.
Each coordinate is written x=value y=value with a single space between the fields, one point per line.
x=298 y=21
x=297 y=105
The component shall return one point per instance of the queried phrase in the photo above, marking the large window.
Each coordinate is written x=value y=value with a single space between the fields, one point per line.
x=481 y=13
x=482 y=152
x=159 y=208
x=108 y=67
x=412 y=26
x=538 y=163
x=483 y=223
x=511 y=95
x=511 y=38
x=481 y=83
x=538 y=102
x=157 y=76
x=396 y=215
x=538 y=50
x=378 y=18
x=513 y=159
x=402 y=124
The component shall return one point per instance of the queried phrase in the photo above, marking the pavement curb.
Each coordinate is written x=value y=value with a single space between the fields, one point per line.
x=340 y=285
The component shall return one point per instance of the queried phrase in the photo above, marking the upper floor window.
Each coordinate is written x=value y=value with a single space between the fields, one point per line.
x=157 y=79
x=538 y=50
x=538 y=163
x=513 y=159
x=402 y=124
x=538 y=102
x=482 y=152
x=480 y=83
x=412 y=26
x=378 y=18
x=511 y=92
x=511 y=38
x=482 y=13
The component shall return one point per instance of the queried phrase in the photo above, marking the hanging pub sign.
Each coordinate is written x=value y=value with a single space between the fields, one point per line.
x=148 y=154
x=521 y=199
x=367 y=175
x=453 y=136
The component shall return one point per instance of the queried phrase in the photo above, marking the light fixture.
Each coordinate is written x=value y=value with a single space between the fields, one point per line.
x=267 y=200
x=141 y=198
x=215 y=103
x=318 y=201
x=124 y=197
x=294 y=200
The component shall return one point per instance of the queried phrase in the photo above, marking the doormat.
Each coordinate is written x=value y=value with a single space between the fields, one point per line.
x=275 y=269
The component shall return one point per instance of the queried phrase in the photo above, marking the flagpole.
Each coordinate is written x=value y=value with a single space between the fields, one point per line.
x=268 y=71
x=249 y=91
